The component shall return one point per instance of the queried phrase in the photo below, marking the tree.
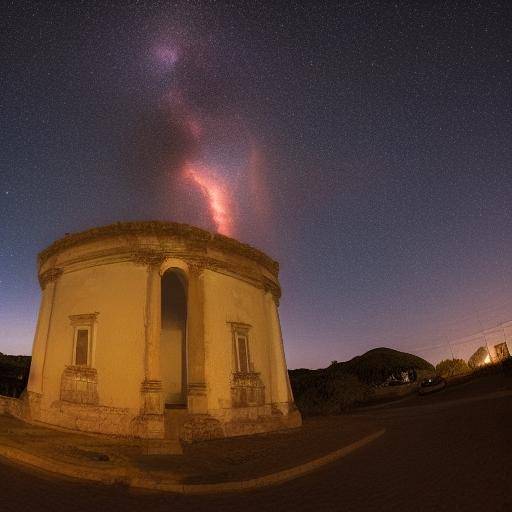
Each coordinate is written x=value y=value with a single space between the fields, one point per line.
x=452 y=367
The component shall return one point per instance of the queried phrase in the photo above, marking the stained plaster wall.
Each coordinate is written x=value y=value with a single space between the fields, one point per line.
x=117 y=292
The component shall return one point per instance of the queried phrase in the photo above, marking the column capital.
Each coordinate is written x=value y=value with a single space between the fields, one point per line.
x=149 y=257
x=49 y=276
x=195 y=268
x=273 y=288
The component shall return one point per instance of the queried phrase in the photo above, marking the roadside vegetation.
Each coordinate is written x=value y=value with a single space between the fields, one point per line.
x=375 y=377
x=341 y=386
x=14 y=372
x=452 y=368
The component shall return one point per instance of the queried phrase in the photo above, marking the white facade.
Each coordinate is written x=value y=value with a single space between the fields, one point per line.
x=139 y=319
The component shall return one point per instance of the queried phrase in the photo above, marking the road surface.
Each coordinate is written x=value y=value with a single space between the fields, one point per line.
x=436 y=455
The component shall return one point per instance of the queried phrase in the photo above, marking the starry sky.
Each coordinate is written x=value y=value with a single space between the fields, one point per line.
x=365 y=145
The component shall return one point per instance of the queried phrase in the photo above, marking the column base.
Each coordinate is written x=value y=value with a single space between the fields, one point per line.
x=197 y=398
x=150 y=426
x=151 y=398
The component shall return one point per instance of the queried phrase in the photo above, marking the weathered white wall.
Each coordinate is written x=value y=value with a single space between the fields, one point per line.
x=119 y=277
x=231 y=300
x=117 y=292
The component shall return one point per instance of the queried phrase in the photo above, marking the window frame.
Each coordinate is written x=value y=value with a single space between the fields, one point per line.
x=241 y=331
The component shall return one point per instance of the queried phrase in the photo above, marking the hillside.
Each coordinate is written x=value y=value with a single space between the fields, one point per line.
x=343 y=385
x=13 y=374
x=376 y=365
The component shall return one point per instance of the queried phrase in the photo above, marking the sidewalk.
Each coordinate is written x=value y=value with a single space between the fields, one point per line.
x=211 y=466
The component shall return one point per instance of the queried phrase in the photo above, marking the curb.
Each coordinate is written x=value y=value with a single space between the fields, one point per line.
x=107 y=475
x=136 y=479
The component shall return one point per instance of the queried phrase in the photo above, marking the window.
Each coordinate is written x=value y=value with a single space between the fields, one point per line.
x=241 y=351
x=247 y=388
x=83 y=339
x=79 y=381
x=82 y=352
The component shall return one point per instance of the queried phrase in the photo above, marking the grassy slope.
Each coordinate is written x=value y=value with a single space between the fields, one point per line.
x=342 y=385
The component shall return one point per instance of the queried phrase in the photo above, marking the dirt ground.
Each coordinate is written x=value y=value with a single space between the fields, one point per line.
x=221 y=460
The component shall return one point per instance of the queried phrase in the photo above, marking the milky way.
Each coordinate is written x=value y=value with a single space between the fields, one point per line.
x=363 y=144
x=191 y=119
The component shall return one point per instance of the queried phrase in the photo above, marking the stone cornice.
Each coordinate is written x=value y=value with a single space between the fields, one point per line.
x=154 y=258
x=171 y=230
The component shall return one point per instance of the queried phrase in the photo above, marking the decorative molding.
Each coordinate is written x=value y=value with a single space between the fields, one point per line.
x=149 y=258
x=197 y=388
x=151 y=385
x=195 y=268
x=79 y=384
x=170 y=230
x=239 y=326
x=84 y=319
x=247 y=389
x=167 y=240
x=49 y=276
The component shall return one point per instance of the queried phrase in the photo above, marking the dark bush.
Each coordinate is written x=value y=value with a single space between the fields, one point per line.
x=14 y=371
x=452 y=367
x=327 y=393
x=343 y=385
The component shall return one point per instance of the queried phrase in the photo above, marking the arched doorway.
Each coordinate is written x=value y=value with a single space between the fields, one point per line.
x=173 y=354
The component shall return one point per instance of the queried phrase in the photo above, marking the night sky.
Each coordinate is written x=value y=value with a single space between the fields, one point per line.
x=366 y=146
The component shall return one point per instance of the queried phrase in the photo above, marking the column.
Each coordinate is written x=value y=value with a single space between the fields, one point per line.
x=279 y=369
x=152 y=386
x=48 y=281
x=197 y=387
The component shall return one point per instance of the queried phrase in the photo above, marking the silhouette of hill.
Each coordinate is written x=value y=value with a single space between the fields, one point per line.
x=342 y=385
x=14 y=372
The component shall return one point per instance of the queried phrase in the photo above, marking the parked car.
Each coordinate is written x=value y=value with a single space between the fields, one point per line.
x=431 y=385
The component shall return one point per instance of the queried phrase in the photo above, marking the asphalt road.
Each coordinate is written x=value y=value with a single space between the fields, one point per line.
x=441 y=455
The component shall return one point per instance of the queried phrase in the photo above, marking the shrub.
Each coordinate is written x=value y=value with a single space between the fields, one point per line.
x=452 y=367
x=327 y=393
x=341 y=386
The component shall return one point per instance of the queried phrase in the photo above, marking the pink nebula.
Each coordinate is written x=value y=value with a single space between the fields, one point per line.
x=166 y=55
x=216 y=193
x=217 y=184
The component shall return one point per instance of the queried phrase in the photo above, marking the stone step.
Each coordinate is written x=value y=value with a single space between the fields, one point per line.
x=162 y=447
x=174 y=419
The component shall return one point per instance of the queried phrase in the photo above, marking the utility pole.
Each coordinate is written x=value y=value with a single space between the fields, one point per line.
x=483 y=331
x=451 y=350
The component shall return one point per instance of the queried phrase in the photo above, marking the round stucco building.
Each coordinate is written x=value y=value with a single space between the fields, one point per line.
x=147 y=328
